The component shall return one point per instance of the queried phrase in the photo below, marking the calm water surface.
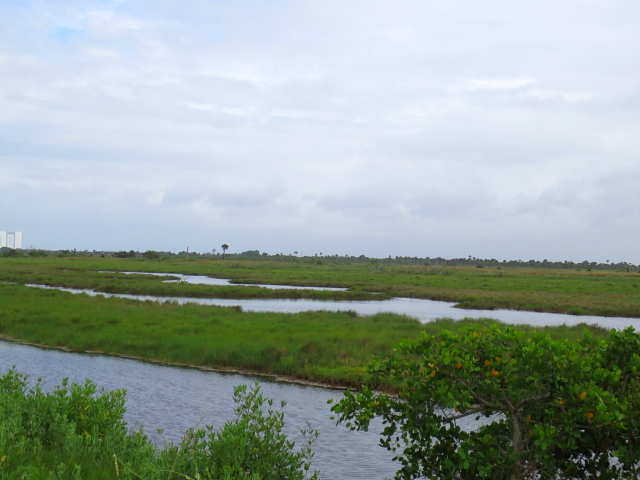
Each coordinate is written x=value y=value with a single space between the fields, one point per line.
x=223 y=282
x=175 y=399
x=422 y=309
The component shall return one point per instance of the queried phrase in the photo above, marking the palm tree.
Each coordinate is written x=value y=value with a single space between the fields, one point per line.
x=224 y=247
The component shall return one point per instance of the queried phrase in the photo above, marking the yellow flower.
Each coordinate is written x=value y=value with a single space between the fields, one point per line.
x=458 y=365
x=3 y=459
x=589 y=415
x=433 y=373
x=498 y=359
x=583 y=395
x=487 y=363
x=495 y=372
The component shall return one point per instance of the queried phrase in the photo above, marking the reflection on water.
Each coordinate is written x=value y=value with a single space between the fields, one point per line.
x=222 y=282
x=422 y=309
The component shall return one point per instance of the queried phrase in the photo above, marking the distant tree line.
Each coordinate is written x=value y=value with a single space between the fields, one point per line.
x=320 y=258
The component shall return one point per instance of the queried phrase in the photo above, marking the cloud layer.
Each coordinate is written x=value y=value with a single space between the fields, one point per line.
x=492 y=129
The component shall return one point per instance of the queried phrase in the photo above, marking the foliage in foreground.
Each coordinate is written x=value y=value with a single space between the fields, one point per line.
x=549 y=409
x=77 y=432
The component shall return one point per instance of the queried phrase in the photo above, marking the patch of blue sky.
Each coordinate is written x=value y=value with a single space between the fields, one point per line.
x=17 y=4
x=65 y=35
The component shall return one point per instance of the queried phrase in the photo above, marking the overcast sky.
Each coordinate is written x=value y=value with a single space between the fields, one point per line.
x=504 y=129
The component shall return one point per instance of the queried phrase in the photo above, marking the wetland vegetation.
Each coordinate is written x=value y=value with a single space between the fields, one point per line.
x=551 y=409
x=78 y=432
x=333 y=348
x=323 y=346
x=573 y=291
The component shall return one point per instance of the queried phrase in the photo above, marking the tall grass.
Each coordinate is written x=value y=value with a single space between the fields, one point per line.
x=330 y=347
x=563 y=291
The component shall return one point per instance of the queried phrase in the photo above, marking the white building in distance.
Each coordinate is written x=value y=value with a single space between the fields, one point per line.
x=10 y=239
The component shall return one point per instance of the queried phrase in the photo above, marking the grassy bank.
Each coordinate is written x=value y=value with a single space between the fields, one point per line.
x=328 y=347
x=69 y=273
x=562 y=291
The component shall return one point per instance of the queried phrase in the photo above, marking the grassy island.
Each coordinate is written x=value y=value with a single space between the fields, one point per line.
x=321 y=346
x=572 y=291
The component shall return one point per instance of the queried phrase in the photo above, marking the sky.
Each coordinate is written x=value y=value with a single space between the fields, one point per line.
x=497 y=129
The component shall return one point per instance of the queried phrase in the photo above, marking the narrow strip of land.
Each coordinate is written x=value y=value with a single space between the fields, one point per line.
x=327 y=347
x=578 y=292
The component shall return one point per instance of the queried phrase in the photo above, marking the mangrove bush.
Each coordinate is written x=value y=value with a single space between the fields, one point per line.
x=550 y=409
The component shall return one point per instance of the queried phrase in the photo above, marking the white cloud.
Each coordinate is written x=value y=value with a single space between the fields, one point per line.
x=542 y=94
x=496 y=84
x=498 y=129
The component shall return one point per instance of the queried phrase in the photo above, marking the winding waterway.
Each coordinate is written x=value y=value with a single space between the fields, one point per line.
x=175 y=399
x=223 y=282
x=422 y=309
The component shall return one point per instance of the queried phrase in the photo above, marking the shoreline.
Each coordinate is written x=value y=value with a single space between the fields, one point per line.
x=576 y=293
x=166 y=363
x=456 y=301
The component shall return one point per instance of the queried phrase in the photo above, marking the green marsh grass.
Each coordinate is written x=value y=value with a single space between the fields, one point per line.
x=603 y=293
x=323 y=346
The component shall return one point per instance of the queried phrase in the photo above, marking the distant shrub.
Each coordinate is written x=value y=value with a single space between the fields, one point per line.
x=123 y=254
x=151 y=255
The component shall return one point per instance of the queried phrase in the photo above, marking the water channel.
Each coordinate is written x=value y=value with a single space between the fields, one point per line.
x=223 y=282
x=420 y=308
x=175 y=399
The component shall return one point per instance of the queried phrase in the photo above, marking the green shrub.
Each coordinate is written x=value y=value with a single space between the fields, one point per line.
x=552 y=409
x=78 y=431
x=252 y=446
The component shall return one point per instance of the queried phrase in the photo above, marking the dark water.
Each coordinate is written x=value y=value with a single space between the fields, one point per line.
x=422 y=309
x=175 y=399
